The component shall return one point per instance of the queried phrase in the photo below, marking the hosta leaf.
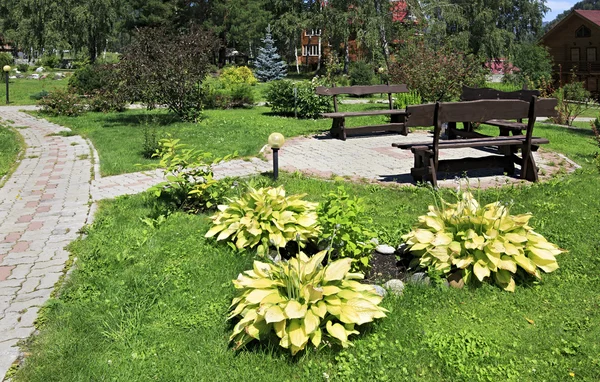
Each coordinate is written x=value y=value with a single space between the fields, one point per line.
x=424 y=236
x=337 y=331
x=337 y=270
x=214 y=230
x=508 y=263
x=274 y=314
x=257 y=295
x=480 y=270
x=330 y=289
x=357 y=311
x=545 y=254
x=525 y=263
x=279 y=328
x=314 y=262
x=436 y=223
x=311 y=322
x=316 y=337
x=515 y=237
x=463 y=262
x=294 y=309
x=543 y=263
x=297 y=334
x=504 y=280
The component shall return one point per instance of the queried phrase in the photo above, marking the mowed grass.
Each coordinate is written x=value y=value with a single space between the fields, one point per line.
x=11 y=144
x=119 y=137
x=21 y=89
x=149 y=301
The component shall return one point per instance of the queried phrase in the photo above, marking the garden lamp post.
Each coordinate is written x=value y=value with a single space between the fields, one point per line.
x=276 y=140
x=6 y=69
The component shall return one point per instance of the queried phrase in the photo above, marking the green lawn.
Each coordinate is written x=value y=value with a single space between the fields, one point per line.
x=149 y=303
x=119 y=137
x=11 y=145
x=21 y=89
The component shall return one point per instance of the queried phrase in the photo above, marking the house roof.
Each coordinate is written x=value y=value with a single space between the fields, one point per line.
x=592 y=16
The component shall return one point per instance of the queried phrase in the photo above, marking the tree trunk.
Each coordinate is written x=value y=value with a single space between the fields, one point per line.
x=382 y=36
x=346 y=57
x=319 y=63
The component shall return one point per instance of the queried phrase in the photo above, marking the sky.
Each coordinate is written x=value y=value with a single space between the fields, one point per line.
x=557 y=7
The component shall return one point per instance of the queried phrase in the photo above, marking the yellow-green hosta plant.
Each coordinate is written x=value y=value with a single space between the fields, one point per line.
x=481 y=241
x=263 y=218
x=302 y=301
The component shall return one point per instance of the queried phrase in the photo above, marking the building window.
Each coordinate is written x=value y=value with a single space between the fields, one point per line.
x=310 y=50
x=592 y=84
x=591 y=54
x=583 y=31
x=574 y=54
x=313 y=32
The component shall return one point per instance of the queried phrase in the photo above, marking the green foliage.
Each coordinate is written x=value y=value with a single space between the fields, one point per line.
x=534 y=63
x=62 y=102
x=300 y=301
x=165 y=67
x=23 y=68
x=93 y=77
x=150 y=145
x=10 y=147
x=344 y=228
x=217 y=94
x=280 y=96
x=361 y=73
x=436 y=74
x=190 y=183
x=49 y=61
x=573 y=100
x=234 y=75
x=39 y=95
x=480 y=241
x=596 y=130
x=107 y=102
x=263 y=218
x=6 y=59
x=402 y=100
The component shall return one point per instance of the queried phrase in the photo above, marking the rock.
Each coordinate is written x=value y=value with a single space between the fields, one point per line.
x=375 y=241
x=275 y=256
x=419 y=278
x=19 y=75
x=43 y=77
x=34 y=76
x=385 y=249
x=456 y=281
x=380 y=291
x=39 y=70
x=395 y=286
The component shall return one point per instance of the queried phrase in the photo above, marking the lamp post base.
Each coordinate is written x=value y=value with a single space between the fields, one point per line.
x=275 y=163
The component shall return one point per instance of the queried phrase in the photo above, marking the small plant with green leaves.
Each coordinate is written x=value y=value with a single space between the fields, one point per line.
x=344 y=228
x=480 y=242
x=404 y=99
x=301 y=300
x=190 y=182
x=596 y=130
x=62 y=102
x=263 y=218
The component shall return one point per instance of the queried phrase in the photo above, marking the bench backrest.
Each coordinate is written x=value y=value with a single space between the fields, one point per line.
x=473 y=94
x=360 y=91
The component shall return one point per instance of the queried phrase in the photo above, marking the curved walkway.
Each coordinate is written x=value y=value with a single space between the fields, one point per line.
x=52 y=195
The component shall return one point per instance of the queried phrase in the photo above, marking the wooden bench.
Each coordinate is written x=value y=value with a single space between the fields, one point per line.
x=338 y=127
x=506 y=127
x=426 y=154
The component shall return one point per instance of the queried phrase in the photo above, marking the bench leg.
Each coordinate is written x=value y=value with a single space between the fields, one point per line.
x=338 y=128
x=399 y=118
x=529 y=170
x=432 y=172
x=450 y=130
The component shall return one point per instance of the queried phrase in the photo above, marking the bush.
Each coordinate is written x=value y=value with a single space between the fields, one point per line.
x=233 y=75
x=49 y=61
x=361 y=73
x=216 y=95
x=596 y=131
x=39 y=95
x=190 y=183
x=301 y=300
x=94 y=77
x=405 y=99
x=436 y=74
x=6 y=59
x=280 y=96
x=344 y=231
x=23 y=68
x=107 y=102
x=478 y=242
x=263 y=218
x=573 y=100
x=534 y=63
x=166 y=67
x=241 y=95
x=62 y=102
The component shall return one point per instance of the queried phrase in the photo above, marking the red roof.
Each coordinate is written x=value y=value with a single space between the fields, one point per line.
x=593 y=16
x=399 y=10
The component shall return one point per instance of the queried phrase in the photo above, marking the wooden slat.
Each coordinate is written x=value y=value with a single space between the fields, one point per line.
x=420 y=115
x=465 y=164
x=359 y=130
x=508 y=124
x=472 y=142
x=472 y=94
x=364 y=113
x=361 y=90
x=467 y=134
x=483 y=110
x=410 y=145
x=546 y=107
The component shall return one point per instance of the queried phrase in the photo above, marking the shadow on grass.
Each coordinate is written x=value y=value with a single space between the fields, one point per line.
x=142 y=119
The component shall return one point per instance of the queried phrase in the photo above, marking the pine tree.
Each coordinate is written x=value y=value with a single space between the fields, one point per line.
x=269 y=65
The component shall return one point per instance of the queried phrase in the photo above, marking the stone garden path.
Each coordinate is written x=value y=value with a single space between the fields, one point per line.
x=52 y=195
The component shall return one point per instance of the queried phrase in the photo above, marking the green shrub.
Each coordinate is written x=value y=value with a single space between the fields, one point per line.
x=235 y=75
x=94 y=77
x=215 y=95
x=480 y=242
x=6 y=59
x=50 y=61
x=301 y=300
x=62 y=102
x=23 y=68
x=241 y=95
x=263 y=218
x=280 y=96
x=361 y=73
x=573 y=100
x=190 y=183
x=344 y=231
x=402 y=100
x=106 y=102
x=596 y=130
x=39 y=95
